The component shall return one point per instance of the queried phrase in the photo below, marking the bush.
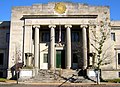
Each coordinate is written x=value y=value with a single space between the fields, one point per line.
x=113 y=80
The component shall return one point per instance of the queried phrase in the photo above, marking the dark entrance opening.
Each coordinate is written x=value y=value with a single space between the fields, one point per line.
x=60 y=59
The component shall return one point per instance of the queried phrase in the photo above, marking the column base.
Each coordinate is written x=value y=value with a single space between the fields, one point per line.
x=68 y=67
x=51 y=68
x=84 y=67
x=36 y=71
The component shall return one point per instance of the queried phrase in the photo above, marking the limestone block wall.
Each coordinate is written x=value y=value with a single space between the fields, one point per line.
x=110 y=74
x=115 y=28
x=18 y=22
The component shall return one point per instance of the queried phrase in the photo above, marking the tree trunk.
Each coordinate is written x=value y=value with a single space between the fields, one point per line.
x=98 y=76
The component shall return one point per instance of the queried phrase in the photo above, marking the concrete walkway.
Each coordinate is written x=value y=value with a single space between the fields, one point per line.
x=37 y=84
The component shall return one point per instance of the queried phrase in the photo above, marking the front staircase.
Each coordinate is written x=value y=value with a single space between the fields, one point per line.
x=61 y=75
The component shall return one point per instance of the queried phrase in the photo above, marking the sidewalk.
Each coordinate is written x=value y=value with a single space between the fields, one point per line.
x=38 y=83
x=102 y=84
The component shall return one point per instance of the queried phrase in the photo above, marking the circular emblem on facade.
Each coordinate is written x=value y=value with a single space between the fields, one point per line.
x=60 y=8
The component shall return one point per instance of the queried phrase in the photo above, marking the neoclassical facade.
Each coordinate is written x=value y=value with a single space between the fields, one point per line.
x=59 y=35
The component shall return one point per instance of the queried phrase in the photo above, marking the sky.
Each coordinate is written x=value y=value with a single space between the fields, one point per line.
x=6 y=6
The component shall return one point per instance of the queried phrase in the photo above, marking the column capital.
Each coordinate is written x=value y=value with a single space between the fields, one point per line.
x=36 y=26
x=52 y=26
x=68 y=26
x=83 y=26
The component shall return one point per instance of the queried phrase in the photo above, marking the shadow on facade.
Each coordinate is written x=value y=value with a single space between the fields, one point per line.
x=15 y=70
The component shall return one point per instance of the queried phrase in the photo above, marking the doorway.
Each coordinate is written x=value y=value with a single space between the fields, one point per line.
x=60 y=59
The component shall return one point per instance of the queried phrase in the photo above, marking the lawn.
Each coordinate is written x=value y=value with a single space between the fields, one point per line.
x=3 y=80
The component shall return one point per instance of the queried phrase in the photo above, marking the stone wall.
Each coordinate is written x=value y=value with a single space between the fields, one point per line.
x=4 y=45
x=110 y=74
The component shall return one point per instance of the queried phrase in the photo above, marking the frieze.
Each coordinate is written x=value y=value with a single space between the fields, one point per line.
x=17 y=23
x=60 y=8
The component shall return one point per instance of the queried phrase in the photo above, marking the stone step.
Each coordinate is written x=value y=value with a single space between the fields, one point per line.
x=58 y=76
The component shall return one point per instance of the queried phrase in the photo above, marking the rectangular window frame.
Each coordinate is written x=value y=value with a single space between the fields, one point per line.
x=113 y=36
x=118 y=58
x=45 y=58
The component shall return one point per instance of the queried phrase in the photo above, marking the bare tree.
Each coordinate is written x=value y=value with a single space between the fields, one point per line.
x=17 y=61
x=99 y=39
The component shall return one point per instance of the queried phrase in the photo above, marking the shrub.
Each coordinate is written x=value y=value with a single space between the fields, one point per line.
x=113 y=80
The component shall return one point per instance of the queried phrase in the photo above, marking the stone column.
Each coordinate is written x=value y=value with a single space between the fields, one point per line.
x=52 y=46
x=68 y=46
x=36 y=48
x=84 y=42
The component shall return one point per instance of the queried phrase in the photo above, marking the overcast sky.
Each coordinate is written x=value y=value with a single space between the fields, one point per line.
x=6 y=6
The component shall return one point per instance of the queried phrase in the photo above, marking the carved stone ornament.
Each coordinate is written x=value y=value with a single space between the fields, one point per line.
x=60 y=8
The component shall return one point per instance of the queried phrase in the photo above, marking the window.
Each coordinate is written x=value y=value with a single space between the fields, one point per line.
x=119 y=74
x=62 y=36
x=45 y=36
x=45 y=60
x=1 y=74
x=1 y=58
x=75 y=36
x=56 y=37
x=113 y=36
x=118 y=58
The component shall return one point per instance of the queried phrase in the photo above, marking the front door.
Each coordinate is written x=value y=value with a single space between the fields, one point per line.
x=60 y=59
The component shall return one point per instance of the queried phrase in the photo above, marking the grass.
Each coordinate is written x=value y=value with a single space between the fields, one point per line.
x=113 y=80
x=3 y=80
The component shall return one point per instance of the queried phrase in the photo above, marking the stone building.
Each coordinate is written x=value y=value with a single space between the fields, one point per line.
x=4 y=47
x=58 y=35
